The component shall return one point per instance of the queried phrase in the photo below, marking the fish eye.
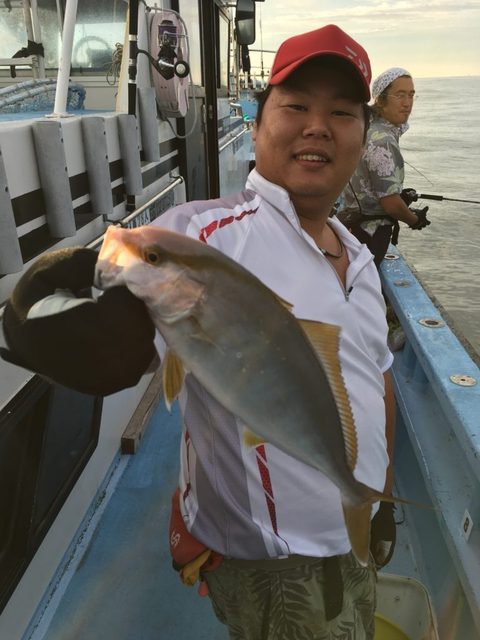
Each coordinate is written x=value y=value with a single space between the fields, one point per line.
x=151 y=256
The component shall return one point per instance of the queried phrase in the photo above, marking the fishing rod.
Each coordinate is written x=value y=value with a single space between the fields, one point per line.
x=429 y=196
x=410 y=195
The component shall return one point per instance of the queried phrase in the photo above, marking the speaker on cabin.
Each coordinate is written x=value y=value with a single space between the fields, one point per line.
x=170 y=50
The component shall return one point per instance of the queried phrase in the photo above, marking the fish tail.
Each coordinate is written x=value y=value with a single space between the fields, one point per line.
x=375 y=496
x=357 y=517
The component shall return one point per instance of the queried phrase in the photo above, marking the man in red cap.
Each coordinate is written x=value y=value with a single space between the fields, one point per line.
x=283 y=566
x=265 y=532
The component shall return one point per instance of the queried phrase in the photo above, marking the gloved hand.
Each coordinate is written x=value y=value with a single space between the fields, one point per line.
x=422 y=218
x=383 y=534
x=54 y=327
x=409 y=196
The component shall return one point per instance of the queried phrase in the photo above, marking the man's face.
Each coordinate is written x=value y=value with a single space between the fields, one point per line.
x=398 y=102
x=310 y=137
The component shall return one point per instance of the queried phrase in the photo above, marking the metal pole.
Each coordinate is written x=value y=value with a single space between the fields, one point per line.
x=132 y=56
x=125 y=221
x=37 y=38
x=60 y=16
x=60 y=106
x=27 y=14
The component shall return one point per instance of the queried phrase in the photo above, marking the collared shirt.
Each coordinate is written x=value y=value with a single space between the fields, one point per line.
x=257 y=502
x=379 y=173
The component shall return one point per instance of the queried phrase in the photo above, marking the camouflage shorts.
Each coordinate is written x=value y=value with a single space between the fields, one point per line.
x=285 y=600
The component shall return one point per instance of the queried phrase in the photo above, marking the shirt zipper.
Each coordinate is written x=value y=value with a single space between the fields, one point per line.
x=346 y=292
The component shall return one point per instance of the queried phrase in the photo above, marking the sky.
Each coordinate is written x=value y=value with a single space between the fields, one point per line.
x=430 y=38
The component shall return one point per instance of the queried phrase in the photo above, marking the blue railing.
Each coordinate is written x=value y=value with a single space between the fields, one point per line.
x=437 y=386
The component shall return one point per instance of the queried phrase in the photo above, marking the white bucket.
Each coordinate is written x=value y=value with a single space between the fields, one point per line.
x=404 y=610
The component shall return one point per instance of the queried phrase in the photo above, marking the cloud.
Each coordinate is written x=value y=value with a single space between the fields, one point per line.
x=407 y=32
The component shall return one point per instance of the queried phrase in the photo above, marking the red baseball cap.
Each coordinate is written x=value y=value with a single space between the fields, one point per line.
x=329 y=40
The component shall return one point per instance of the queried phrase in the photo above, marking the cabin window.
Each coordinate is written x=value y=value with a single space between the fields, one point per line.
x=47 y=435
x=12 y=29
x=99 y=27
x=190 y=14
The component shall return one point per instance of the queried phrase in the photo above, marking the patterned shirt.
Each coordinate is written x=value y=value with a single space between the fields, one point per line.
x=379 y=173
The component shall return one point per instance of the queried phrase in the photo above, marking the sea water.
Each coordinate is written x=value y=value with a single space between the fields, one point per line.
x=442 y=149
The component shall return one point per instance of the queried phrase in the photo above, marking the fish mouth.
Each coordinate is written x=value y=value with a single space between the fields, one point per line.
x=106 y=275
x=117 y=253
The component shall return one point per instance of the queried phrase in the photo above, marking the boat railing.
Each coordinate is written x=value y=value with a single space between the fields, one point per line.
x=142 y=214
x=233 y=139
x=438 y=398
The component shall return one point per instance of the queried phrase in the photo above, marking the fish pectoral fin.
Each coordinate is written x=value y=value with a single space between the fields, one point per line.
x=185 y=299
x=198 y=333
x=173 y=375
x=325 y=340
x=250 y=439
x=357 y=521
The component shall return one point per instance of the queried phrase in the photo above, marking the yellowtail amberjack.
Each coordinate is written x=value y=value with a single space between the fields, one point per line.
x=281 y=376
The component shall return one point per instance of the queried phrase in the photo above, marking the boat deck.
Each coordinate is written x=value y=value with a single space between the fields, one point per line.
x=118 y=582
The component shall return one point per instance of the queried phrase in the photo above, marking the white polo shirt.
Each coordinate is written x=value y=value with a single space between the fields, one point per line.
x=258 y=502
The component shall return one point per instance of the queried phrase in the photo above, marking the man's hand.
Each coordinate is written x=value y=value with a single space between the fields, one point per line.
x=422 y=218
x=383 y=534
x=53 y=326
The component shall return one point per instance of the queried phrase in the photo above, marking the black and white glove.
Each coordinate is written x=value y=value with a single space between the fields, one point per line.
x=422 y=218
x=53 y=326
x=383 y=534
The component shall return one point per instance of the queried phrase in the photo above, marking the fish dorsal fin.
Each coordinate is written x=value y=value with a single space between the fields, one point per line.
x=288 y=305
x=325 y=339
x=173 y=375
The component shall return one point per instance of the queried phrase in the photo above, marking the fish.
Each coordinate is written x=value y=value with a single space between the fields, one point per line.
x=280 y=375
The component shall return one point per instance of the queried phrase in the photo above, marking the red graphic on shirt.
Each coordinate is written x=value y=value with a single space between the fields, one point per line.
x=267 y=484
x=223 y=222
x=187 y=446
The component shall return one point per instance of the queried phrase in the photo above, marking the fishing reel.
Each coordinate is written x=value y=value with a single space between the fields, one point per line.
x=409 y=196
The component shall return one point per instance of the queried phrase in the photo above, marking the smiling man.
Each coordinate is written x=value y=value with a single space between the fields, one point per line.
x=375 y=189
x=287 y=570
